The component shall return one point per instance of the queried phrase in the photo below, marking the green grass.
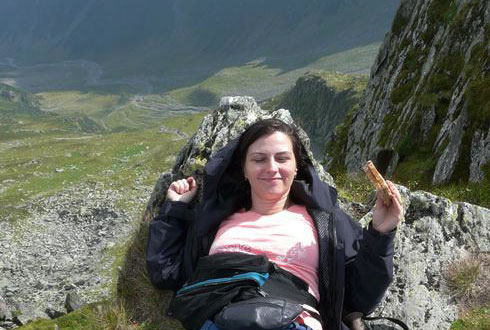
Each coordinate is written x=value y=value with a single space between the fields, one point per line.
x=71 y=102
x=107 y=111
x=39 y=164
x=353 y=187
x=105 y=315
x=468 y=282
x=256 y=78
x=477 y=319
x=415 y=174
x=462 y=276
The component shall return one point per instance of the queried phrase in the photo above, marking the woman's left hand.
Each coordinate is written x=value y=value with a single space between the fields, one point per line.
x=387 y=218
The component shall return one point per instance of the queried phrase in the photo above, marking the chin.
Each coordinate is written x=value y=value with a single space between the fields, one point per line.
x=274 y=194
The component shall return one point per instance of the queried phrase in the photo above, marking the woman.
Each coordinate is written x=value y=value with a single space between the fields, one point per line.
x=261 y=195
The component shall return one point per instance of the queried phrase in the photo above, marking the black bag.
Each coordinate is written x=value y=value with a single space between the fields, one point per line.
x=250 y=292
x=264 y=313
x=216 y=282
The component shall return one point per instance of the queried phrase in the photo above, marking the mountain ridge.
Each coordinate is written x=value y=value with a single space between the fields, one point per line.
x=167 y=35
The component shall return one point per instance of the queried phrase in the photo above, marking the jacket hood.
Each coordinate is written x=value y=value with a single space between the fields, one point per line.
x=225 y=191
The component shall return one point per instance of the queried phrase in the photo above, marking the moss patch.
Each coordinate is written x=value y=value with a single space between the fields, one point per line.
x=477 y=319
x=336 y=148
x=442 y=10
x=399 y=23
x=104 y=315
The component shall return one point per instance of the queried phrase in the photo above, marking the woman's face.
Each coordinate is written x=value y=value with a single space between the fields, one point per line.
x=270 y=166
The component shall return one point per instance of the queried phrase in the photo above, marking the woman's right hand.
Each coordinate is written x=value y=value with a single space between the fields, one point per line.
x=182 y=190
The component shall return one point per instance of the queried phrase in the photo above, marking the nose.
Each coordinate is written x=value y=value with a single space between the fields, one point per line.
x=272 y=165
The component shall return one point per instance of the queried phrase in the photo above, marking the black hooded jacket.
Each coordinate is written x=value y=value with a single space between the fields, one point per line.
x=356 y=265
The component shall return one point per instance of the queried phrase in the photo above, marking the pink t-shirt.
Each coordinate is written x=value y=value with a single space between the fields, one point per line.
x=288 y=238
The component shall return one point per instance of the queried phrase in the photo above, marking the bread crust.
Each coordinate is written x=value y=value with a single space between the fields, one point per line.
x=378 y=182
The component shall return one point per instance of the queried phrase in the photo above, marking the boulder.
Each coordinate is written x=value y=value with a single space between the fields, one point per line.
x=4 y=310
x=53 y=313
x=73 y=302
x=433 y=236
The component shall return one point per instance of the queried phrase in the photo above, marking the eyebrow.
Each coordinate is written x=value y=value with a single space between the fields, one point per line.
x=265 y=153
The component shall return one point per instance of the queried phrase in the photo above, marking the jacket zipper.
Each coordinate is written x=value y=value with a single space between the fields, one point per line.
x=194 y=288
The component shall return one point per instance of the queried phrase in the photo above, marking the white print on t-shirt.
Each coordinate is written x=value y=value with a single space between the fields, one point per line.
x=234 y=248
x=294 y=254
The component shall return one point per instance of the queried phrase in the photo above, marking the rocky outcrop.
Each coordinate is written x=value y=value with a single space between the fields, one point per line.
x=435 y=232
x=434 y=235
x=480 y=155
x=428 y=93
x=65 y=246
x=18 y=101
x=319 y=102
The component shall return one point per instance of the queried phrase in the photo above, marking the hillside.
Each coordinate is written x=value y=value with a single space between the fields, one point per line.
x=426 y=112
x=178 y=37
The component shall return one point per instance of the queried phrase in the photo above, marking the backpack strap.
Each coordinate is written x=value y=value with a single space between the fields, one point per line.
x=396 y=321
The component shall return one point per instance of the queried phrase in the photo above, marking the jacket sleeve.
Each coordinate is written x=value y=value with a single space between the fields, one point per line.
x=165 y=247
x=369 y=266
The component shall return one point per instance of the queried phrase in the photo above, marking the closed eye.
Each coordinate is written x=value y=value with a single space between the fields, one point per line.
x=282 y=159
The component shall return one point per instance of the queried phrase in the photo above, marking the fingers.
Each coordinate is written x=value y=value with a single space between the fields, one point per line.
x=183 y=186
x=394 y=191
x=192 y=183
x=379 y=199
x=180 y=186
x=397 y=201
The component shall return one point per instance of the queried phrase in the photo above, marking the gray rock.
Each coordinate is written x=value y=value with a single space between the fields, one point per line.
x=73 y=302
x=24 y=316
x=5 y=313
x=60 y=248
x=427 y=123
x=452 y=132
x=435 y=233
x=41 y=284
x=53 y=313
x=8 y=325
x=320 y=105
x=480 y=154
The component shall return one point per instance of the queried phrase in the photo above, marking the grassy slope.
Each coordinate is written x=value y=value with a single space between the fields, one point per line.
x=41 y=154
x=262 y=82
